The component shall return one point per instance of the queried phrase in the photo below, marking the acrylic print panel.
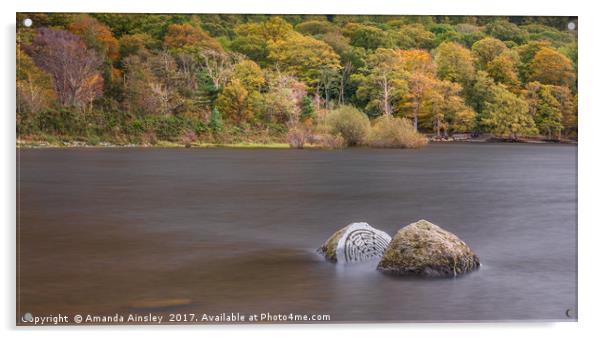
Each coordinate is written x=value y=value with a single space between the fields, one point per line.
x=234 y=169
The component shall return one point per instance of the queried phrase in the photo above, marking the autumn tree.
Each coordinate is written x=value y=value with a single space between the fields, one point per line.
x=35 y=91
x=304 y=57
x=444 y=73
x=545 y=108
x=443 y=108
x=422 y=77
x=526 y=54
x=180 y=36
x=232 y=102
x=250 y=75
x=553 y=68
x=134 y=43
x=568 y=107
x=217 y=65
x=254 y=38
x=151 y=84
x=139 y=96
x=75 y=69
x=283 y=101
x=96 y=35
x=504 y=69
x=99 y=37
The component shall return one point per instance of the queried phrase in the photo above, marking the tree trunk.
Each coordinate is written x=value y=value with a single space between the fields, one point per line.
x=416 y=109
x=386 y=97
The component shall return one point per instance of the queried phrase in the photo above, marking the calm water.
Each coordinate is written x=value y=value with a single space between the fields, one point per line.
x=225 y=230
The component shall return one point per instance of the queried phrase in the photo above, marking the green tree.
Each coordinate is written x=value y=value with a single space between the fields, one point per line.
x=307 y=108
x=367 y=37
x=481 y=92
x=526 y=54
x=316 y=27
x=414 y=36
x=352 y=59
x=383 y=82
x=507 y=31
x=507 y=115
x=454 y=63
x=487 y=49
x=215 y=121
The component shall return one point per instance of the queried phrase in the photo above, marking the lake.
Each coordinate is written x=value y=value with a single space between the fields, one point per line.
x=235 y=230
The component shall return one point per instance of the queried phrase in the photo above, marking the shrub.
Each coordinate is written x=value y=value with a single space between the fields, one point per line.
x=348 y=122
x=296 y=138
x=395 y=133
x=188 y=138
x=329 y=141
x=215 y=122
x=149 y=138
x=93 y=140
x=307 y=109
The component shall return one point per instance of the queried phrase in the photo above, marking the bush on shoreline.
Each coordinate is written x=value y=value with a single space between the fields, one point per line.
x=348 y=122
x=392 y=132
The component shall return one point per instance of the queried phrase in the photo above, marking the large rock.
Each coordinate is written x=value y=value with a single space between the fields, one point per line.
x=354 y=243
x=425 y=249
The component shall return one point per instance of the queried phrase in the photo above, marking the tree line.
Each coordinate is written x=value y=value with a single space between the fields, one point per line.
x=222 y=78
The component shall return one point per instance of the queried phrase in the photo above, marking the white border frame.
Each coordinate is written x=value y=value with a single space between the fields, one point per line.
x=588 y=177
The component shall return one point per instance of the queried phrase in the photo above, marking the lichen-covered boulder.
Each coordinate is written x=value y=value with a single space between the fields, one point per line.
x=425 y=249
x=354 y=243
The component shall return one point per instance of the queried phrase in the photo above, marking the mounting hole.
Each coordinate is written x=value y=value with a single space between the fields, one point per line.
x=571 y=26
x=27 y=22
x=27 y=317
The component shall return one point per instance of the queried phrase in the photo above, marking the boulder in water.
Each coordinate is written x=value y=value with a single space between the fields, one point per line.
x=425 y=249
x=354 y=243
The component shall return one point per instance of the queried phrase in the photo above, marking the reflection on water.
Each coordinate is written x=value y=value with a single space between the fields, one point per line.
x=224 y=230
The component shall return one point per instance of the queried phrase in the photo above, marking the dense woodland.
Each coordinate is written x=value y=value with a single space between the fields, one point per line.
x=332 y=79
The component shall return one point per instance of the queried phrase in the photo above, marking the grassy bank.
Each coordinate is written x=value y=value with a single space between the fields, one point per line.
x=158 y=144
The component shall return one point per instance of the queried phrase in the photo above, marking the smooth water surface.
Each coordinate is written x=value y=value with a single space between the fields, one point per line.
x=226 y=230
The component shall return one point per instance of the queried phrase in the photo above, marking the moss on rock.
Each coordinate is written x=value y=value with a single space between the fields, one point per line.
x=425 y=249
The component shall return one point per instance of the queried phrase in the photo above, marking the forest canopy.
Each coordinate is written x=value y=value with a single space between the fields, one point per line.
x=222 y=78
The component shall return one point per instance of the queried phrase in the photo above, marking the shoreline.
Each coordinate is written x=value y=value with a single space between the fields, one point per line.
x=33 y=144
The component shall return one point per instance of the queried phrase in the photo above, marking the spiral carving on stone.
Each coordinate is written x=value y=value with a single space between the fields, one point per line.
x=361 y=242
